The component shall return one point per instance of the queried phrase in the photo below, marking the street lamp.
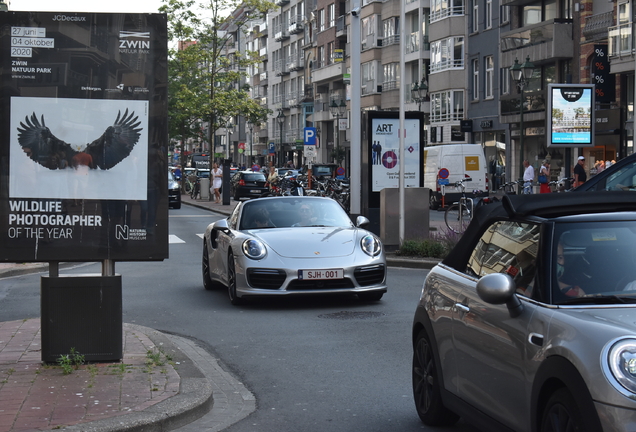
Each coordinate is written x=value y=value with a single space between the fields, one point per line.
x=230 y=130
x=280 y=118
x=521 y=74
x=250 y=125
x=337 y=111
x=419 y=92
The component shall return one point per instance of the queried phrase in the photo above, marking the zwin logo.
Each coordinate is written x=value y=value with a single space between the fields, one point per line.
x=121 y=232
x=134 y=42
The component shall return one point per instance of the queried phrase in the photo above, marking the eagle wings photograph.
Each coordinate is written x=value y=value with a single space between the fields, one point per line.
x=78 y=149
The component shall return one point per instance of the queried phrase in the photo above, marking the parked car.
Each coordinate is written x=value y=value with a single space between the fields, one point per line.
x=529 y=324
x=247 y=184
x=174 y=192
x=619 y=176
x=293 y=246
x=320 y=170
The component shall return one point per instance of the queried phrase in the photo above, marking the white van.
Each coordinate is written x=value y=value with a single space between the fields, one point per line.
x=456 y=162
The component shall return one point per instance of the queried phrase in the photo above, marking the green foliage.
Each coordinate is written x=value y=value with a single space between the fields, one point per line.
x=71 y=361
x=338 y=154
x=206 y=80
x=438 y=245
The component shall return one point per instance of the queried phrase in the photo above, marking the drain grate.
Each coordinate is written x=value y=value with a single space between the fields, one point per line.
x=348 y=315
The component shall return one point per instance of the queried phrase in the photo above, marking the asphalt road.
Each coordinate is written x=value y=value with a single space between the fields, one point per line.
x=328 y=364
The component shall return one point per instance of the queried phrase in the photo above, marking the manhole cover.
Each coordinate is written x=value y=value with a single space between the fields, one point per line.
x=348 y=315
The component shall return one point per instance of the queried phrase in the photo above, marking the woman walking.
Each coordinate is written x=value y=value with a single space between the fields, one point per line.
x=544 y=171
x=217 y=181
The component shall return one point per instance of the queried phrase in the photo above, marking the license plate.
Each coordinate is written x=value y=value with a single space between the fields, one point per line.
x=255 y=191
x=320 y=274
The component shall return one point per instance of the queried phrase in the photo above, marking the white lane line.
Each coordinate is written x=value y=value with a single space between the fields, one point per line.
x=174 y=239
x=200 y=235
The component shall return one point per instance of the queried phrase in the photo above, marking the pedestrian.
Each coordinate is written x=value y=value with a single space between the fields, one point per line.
x=217 y=181
x=579 y=172
x=544 y=177
x=528 y=177
x=272 y=177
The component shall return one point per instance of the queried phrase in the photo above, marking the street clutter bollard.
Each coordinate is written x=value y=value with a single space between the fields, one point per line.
x=205 y=188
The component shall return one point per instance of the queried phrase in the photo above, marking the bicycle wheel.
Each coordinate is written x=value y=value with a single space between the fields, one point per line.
x=452 y=219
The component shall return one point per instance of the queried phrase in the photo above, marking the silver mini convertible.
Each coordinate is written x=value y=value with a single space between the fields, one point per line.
x=530 y=323
x=281 y=246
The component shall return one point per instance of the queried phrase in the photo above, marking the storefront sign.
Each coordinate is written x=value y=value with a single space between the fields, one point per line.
x=570 y=115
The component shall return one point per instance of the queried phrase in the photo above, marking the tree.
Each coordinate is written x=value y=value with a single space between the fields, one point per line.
x=205 y=83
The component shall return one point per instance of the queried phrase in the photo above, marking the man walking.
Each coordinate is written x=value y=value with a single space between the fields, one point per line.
x=580 y=175
x=528 y=177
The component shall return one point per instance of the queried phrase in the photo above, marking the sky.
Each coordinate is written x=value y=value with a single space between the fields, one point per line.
x=84 y=5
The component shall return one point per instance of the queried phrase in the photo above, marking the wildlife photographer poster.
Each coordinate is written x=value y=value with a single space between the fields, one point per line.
x=83 y=137
x=72 y=127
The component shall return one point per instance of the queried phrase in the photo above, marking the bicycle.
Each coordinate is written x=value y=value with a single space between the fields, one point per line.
x=458 y=215
x=560 y=185
x=196 y=189
x=509 y=187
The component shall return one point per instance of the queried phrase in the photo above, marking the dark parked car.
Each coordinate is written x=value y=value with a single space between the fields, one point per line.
x=529 y=324
x=174 y=192
x=248 y=184
x=619 y=176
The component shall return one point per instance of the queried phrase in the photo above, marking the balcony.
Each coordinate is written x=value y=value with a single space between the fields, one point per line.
x=391 y=40
x=621 y=40
x=548 y=40
x=295 y=62
x=341 y=27
x=281 y=2
x=280 y=67
x=281 y=35
x=596 y=26
x=296 y=24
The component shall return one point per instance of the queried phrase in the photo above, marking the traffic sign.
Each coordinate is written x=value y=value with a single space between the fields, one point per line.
x=310 y=136
x=443 y=181
x=443 y=173
x=340 y=172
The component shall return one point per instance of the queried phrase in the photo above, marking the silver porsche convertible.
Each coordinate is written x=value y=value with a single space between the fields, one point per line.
x=280 y=246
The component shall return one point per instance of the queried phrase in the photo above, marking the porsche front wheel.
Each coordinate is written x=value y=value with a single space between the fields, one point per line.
x=231 y=281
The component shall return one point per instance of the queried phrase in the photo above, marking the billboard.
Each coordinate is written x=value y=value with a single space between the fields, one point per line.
x=83 y=137
x=383 y=150
x=570 y=119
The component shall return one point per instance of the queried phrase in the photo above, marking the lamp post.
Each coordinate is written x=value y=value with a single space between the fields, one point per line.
x=229 y=128
x=280 y=118
x=251 y=127
x=337 y=111
x=419 y=92
x=521 y=74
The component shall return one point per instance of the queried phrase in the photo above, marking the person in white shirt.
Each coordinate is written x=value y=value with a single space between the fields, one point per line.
x=528 y=177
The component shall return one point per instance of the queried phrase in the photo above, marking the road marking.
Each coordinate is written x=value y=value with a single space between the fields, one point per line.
x=200 y=235
x=172 y=239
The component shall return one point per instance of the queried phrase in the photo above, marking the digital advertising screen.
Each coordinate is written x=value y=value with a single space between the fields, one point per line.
x=570 y=118
x=83 y=148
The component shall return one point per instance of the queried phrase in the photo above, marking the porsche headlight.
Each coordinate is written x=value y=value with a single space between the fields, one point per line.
x=371 y=245
x=621 y=358
x=254 y=249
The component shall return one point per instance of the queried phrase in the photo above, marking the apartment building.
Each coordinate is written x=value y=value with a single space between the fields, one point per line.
x=463 y=50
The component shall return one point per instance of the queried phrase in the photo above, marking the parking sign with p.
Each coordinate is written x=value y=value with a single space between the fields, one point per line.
x=310 y=136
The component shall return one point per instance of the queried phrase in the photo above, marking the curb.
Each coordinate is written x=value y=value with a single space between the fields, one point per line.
x=193 y=401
